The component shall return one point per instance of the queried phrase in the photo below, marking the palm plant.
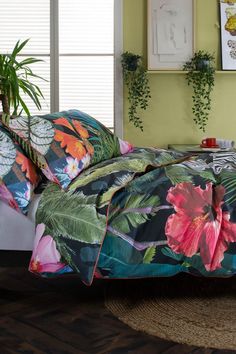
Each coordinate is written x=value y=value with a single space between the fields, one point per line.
x=15 y=80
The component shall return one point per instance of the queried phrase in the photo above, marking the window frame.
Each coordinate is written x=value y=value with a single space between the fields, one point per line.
x=118 y=74
x=118 y=48
x=54 y=62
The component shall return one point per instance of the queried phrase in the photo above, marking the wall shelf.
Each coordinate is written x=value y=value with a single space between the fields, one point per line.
x=227 y=72
x=166 y=72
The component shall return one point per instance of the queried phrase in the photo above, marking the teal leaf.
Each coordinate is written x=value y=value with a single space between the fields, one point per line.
x=120 y=251
x=169 y=253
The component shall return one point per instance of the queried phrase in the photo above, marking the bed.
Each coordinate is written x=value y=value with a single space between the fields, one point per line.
x=13 y=223
x=108 y=210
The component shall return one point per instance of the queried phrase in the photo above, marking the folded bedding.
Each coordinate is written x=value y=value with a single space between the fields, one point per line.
x=150 y=212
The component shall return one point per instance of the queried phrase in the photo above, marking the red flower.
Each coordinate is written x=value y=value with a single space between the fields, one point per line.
x=199 y=224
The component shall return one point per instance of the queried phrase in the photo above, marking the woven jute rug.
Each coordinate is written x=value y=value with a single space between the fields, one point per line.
x=183 y=309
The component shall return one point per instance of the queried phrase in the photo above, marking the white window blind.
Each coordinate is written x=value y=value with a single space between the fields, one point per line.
x=86 y=47
x=83 y=44
x=24 y=19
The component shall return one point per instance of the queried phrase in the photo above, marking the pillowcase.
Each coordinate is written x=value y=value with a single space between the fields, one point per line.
x=18 y=175
x=64 y=144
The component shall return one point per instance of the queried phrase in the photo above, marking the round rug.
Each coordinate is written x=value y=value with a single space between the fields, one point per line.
x=183 y=309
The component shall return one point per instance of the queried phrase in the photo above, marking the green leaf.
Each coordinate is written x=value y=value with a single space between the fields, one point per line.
x=136 y=211
x=178 y=174
x=228 y=180
x=100 y=170
x=208 y=176
x=74 y=216
x=12 y=75
x=149 y=255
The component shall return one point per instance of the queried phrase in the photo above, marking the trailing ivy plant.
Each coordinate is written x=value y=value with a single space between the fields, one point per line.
x=136 y=80
x=201 y=76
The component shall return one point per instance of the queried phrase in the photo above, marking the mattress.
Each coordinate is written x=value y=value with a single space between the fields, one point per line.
x=17 y=231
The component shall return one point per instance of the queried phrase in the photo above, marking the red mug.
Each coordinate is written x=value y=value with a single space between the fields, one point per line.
x=209 y=142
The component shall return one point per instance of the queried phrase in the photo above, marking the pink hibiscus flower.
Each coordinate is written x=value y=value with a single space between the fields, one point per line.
x=199 y=224
x=45 y=257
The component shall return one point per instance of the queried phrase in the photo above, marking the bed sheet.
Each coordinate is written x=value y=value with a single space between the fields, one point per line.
x=17 y=232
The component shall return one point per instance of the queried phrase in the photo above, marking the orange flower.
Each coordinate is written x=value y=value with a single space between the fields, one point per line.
x=64 y=122
x=74 y=147
x=28 y=167
x=80 y=129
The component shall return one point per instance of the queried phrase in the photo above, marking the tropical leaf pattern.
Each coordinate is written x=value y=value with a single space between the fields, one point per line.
x=18 y=175
x=7 y=154
x=35 y=131
x=64 y=144
x=148 y=213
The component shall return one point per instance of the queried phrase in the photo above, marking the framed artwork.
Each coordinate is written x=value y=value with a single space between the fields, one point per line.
x=170 y=33
x=228 y=34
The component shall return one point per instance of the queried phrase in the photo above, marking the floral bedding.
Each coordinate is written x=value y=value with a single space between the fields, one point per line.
x=63 y=144
x=18 y=175
x=150 y=212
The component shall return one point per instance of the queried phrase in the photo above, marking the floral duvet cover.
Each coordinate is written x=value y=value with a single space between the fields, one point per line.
x=148 y=213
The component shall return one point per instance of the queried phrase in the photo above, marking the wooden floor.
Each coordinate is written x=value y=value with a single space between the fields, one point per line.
x=63 y=316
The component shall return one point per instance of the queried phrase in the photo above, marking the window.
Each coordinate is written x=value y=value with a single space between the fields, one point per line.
x=80 y=43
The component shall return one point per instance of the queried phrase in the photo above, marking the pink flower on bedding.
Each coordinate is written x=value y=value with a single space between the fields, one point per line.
x=72 y=167
x=125 y=147
x=199 y=224
x=45 y=257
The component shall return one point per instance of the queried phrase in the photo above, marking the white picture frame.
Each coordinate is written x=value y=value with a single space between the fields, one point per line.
x=228 y=36
x=170 y=33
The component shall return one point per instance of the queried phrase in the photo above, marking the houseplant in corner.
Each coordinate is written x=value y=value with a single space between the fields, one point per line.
x=201 y=76
x=136 y=80
x=15 y=80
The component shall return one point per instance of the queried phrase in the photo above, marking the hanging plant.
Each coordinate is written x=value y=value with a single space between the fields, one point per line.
x=136 y=80
x=201 y=76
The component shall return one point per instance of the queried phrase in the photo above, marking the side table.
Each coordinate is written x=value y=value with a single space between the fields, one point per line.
x=196 y=148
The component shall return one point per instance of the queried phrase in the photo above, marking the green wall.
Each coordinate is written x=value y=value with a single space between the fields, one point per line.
x=169 y=117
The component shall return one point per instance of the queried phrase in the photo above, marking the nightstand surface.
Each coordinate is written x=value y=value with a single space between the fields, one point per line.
x=195 y=148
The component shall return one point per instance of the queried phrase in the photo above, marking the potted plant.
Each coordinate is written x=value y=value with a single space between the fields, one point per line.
x=15 y=80
x=201 y=76
x=136 y=80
